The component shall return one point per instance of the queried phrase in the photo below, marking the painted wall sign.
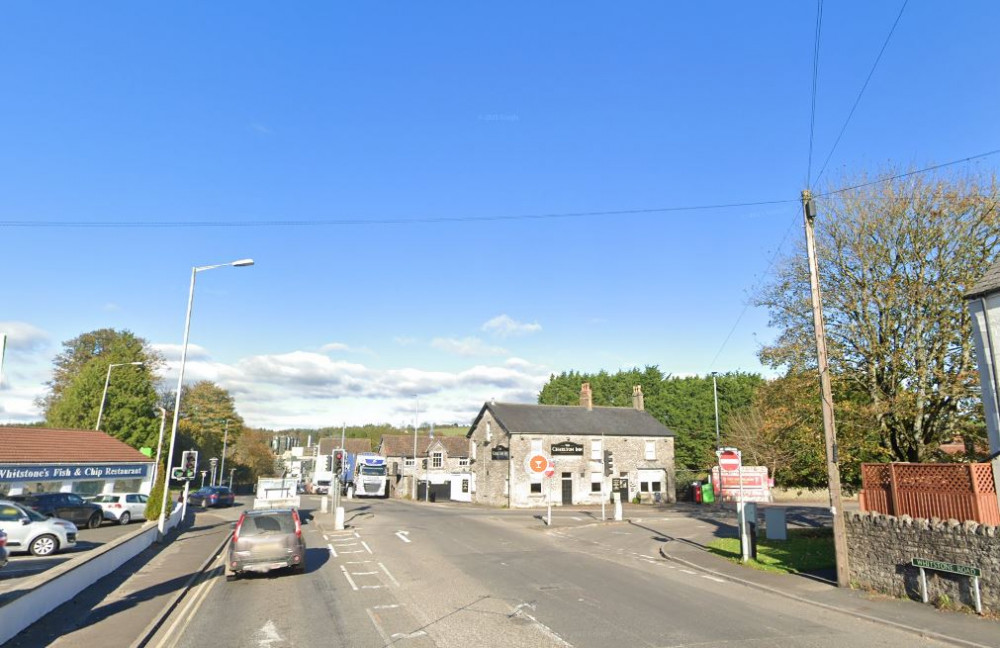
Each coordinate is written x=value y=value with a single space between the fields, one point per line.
x=500 y=453
x=567 y=449
x=30 y=473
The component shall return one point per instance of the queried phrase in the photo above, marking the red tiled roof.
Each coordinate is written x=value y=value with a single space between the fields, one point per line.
x=354 y=446
x=44 y=445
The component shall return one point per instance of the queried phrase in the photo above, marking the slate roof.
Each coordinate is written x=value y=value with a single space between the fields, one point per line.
x=989 y=282
x=45 y=445
x=327 y=445
x=564 y=420
x=401 y=445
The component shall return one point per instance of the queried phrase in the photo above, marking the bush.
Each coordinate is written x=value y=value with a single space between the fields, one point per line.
x=155 y=503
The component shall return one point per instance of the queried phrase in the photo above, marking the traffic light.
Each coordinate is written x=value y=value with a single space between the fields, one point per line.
x=329 y=463
x=338 y=461
x=189 y=462
x=177 y=473
x=609 y=463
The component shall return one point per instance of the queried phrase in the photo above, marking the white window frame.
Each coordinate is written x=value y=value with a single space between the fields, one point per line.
x=409 y=462
x=650 y=449
x=596 y=449
x=464 y=461
x=437 y=459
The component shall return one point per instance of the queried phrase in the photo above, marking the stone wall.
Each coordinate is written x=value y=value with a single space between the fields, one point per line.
x=881 y=548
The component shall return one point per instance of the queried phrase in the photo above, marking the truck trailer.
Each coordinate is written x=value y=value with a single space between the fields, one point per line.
x=366 y=474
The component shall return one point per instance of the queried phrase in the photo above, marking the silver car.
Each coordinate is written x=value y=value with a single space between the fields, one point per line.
x=122 y=507
x=30 y=531
x=264 y=540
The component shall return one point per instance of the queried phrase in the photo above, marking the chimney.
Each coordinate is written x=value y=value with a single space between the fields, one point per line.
x=637 y=398
x=586 y=397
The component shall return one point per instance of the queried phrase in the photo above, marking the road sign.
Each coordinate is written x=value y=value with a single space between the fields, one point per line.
x=729 y=459
x=538 y=464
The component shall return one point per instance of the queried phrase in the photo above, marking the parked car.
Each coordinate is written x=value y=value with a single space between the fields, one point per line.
x=266 y=539
x=212 y=496
x=68 y=506
x=29 y=531
x=122 y=507
x=3 y=549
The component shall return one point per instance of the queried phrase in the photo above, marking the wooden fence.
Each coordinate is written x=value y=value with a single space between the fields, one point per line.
x=959 y=491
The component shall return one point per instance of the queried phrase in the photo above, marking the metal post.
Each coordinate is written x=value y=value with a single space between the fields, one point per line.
x=604 y=478
x=415 y=406
x=104 y=395
x=715 y=393
x=184 y=500
x=829 y=428
x=159 y=445
x=231 y=471
x=203 y=473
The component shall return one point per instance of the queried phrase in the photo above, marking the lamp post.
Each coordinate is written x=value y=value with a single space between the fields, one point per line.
x=104 y=396
x=415 y=406
x=180 y=379
x=715 y=393
x=225 y=439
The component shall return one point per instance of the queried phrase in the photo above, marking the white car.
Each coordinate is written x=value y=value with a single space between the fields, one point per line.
x=122 y=507
x=30 y=531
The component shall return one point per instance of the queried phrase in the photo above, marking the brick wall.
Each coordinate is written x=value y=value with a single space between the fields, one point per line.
x=881 y=548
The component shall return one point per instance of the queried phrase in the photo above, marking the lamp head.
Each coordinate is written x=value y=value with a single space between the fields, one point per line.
x=241 y=263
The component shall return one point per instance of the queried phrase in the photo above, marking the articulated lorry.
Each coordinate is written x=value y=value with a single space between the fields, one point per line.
x=365 y=475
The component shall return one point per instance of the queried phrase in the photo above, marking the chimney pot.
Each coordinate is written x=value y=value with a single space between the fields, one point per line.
x=637 y=399
x=586 y=397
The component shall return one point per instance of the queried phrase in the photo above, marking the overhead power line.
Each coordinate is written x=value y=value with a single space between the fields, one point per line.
x=934 y=167
x=815 y=82
x=857 y=100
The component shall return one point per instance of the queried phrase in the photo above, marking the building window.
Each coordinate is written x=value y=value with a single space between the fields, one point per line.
x=472 y=448
x=595 y=450
x=650 y=487
x=536 y=445
x=650 y=450
x=536 y=488
x=437 y=460
x=596 y=481
x=409 y=462
x=464 y=461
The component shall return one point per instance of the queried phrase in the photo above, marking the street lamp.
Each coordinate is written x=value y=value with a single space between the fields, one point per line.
x=715 y=393
x=416 y=405
x=159 y=444
x=225 y=439
x=180 y=379
x=104 y=396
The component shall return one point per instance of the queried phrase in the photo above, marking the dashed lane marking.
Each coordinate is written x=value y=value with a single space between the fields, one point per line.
x=333 y=552
x=713 y=578
x=350 y=580
x=391 y=577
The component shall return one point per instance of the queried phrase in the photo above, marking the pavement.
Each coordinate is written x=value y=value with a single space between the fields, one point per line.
x=704 y=523
x=141 y=595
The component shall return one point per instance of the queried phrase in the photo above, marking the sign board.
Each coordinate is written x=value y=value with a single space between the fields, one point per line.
x=31 y=473
x=500 y=453
x=964 y=570
x=567 y=449
x=538 y=463
x=756 y=484
x=730 y=459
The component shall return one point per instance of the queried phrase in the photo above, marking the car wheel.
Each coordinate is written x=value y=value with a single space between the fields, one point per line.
x=94 y=521
x=125 y=518
x=44 y=545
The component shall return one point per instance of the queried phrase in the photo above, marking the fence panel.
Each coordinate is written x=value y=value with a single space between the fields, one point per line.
x=959 y=491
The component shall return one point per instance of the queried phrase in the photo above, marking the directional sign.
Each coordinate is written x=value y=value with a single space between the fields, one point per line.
x=538 y=464
x=729 y=459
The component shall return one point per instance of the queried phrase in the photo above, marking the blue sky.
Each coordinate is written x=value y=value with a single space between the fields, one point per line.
x=375 y=159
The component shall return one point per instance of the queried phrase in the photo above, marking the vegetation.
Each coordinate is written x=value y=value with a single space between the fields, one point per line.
x=805 y=550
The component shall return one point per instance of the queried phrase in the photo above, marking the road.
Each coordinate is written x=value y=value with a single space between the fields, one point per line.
x=456 y=576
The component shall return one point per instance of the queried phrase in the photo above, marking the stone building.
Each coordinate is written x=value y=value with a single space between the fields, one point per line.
x=594 y=449
x=441 y=464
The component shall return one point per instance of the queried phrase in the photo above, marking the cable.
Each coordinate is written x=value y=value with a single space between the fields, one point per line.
x=907 y=174
x=815 y=82
x=384 y=221
x=863 y=87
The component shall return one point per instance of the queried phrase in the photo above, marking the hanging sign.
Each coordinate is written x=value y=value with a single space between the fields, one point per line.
x=567 y=449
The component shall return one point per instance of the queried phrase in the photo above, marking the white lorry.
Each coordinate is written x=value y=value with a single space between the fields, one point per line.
x=366 y=474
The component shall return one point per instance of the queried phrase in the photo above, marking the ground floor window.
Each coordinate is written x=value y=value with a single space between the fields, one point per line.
x=651 y=481
x=596 y=481
x=88 y=488
x=536 y=488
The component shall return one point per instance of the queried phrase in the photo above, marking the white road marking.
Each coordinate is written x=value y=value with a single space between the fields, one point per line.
x=267 y=635
x=713 y=578
x=391 y=577
x=546 y=630
x=333 y=552
x=576 y=519
x=412 y=635
x=326 y=537
x=363 y=573
x=688 y=571
x=365 y=545
x=349 y=579
x=403 y=535
x=645 y=556
x=352 y=551
x=378 y=626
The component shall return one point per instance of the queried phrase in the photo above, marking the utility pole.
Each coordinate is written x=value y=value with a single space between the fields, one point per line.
x=225 y=442
x=829 y=430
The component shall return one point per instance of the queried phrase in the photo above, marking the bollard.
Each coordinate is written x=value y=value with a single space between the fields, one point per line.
x=338 y=519
x=324 y=504
x=618 y=506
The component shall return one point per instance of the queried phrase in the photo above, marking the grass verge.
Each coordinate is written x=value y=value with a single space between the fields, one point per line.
x=805 y=550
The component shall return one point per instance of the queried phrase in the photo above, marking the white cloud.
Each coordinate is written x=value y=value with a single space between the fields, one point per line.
x=340 y=346
x=22 y=336
x=506 y=326
x=469 y=346
x=172 y=352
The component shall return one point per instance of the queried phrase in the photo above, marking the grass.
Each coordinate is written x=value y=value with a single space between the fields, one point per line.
x=805 y=550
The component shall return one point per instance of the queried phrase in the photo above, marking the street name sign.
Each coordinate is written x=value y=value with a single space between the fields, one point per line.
x=965 y=570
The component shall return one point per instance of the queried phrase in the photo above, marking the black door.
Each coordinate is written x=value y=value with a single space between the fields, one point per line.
x=624 y=490
x=567 y=488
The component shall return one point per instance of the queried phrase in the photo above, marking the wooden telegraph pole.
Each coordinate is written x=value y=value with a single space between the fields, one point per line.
x=829 y=430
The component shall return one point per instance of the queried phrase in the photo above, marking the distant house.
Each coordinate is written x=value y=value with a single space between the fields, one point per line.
x=505 y=436
x=440 y=463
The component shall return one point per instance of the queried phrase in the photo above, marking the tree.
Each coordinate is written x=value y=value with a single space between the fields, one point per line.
x=77 y=386
x=205 y=410
x=895 y=258
x=252 y=453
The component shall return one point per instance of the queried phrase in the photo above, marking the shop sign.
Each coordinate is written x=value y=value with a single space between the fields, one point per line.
x=30 y=473
x=500 y=453
x=567 y=449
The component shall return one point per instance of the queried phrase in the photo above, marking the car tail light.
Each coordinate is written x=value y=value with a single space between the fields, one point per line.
x=116 y=505
x=298 y=524
x=236 y=531
x=3 y=540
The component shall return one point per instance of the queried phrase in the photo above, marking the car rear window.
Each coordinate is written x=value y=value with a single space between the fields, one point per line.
x=105 y=498
x=267 y=523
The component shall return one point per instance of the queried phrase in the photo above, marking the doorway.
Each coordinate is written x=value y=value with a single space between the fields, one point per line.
x=567 y=488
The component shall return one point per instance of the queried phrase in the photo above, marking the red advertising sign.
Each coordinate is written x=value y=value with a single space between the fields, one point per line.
x=755 y=482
